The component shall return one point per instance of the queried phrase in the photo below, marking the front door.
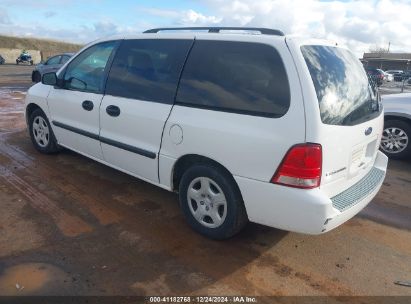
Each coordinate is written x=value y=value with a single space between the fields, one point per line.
x=74 y=107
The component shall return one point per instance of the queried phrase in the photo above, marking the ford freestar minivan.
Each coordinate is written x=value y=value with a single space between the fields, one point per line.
x=245 y=124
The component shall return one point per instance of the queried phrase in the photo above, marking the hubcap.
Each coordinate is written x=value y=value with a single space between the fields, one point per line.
x=41 y=131
x=207 y=202
x=394 y=140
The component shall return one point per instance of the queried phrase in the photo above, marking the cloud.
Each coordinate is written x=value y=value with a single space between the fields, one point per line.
x=359 y=24
x=192 y=17
x=80 y=34
x=182 y=17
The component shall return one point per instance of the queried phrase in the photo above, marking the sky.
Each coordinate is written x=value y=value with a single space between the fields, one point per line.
x=361 y=25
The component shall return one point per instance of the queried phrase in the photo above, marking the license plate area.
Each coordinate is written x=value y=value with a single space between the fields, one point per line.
x=362 y=156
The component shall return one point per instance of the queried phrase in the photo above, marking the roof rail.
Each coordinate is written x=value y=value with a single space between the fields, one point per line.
x=215 y=29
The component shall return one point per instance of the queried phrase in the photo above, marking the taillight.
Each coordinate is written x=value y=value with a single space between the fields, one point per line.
x=301 y=167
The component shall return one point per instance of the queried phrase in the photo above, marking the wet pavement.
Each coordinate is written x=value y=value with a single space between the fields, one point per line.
x=72 y=226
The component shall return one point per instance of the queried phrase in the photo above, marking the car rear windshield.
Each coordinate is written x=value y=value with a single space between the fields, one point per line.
x=344 y=92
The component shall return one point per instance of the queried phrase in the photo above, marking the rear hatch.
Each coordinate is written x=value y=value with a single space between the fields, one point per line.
x=348 y=119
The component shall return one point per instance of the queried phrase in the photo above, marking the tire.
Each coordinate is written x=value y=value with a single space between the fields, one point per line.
x=17 y=62
x=31 y=62
x=36 y=77
x=41 y=134
x=396 y=137
x=211 y=181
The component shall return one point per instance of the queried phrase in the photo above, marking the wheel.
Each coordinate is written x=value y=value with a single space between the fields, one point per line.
x=17 y=62
x=395 y=141
x=41 y=133
x=31 y=62
x=211 y=202
x=36 y=77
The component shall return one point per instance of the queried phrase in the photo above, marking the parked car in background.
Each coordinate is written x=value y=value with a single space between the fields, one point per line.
x=2 y=60
x=376 y=75
x=387 y=76
x=396 y=135
x=244 y=127
x=403 y=76
x=398 y=74
x=393 y=72
x=406 y=75
x=52 y=64
x=24 y=57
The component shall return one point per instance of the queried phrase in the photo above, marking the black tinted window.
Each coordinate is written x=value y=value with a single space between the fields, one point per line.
x=344 y=93
x=235 y=76
x=147 y=69
x=53 y=60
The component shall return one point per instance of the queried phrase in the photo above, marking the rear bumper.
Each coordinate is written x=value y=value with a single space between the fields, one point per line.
x=309 y=211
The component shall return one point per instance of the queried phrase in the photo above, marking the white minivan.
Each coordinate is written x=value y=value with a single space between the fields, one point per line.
x=245 y=124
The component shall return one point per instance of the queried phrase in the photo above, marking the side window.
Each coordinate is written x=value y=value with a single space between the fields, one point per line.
x=239 y=77
x=147 y=69
x=86 y=72
x=53 y=60
x=64 y=59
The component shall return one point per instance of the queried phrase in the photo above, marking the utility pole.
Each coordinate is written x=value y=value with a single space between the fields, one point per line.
x=389 y=44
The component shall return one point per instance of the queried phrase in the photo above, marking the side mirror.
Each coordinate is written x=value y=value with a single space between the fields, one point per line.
x=49 y=79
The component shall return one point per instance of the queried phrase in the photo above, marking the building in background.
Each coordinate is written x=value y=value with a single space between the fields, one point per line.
x=388 y=61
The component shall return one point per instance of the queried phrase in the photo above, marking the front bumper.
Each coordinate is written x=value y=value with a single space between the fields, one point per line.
x=309 y=211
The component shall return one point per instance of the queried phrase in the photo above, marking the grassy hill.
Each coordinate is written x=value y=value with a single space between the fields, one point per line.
x=47 y=47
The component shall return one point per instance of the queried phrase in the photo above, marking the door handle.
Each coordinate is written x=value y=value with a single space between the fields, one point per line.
x=87 y=105
x=113 y=111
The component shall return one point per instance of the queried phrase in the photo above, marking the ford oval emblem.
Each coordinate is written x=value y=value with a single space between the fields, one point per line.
x=368 y=131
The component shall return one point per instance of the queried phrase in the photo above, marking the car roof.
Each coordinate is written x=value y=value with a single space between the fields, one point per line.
x=191 y=32
x=220 y=33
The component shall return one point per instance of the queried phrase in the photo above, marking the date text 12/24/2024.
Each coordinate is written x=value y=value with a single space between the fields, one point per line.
x=203 y=299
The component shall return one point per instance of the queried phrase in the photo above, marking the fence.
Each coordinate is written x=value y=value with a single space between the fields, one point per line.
x=400 y=83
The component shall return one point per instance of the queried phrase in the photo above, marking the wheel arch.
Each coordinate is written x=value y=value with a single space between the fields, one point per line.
x=404 y=118
x=30 y=108
x=188 y=160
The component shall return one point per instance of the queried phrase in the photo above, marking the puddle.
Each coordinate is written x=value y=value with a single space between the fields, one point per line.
x=30 y=278
x=12 y=108
x=16 y=88
x=12 y=93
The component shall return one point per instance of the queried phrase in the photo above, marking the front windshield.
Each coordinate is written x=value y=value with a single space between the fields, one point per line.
x=344 y=92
